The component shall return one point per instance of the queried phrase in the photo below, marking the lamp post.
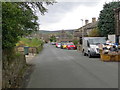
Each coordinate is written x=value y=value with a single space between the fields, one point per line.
x=82 y=29
x=81 y=38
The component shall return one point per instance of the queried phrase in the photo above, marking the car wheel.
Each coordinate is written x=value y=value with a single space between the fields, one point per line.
x=89 y=55
x=84 y=54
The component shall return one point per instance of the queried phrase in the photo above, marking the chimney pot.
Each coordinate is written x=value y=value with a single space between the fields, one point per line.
x=93 y=19
x=86 y=22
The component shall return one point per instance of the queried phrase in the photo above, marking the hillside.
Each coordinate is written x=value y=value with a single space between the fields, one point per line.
x=57 y=31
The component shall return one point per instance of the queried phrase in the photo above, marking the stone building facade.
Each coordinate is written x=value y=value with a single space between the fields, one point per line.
x=86 y=29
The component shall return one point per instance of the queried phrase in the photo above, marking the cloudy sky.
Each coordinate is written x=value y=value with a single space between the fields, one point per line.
x=67 y=14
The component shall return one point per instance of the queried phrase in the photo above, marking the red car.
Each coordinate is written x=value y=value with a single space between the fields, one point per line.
x=71 y=46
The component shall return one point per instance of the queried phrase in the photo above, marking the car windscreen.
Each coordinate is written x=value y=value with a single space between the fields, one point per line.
x=64 y=44
x=97 y=41
x=59 y=43
x=70 y=44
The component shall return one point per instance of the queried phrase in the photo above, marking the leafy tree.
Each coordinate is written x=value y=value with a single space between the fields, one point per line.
x=16 y=22
x=53 y=38
x=37 y=5
x=19 y=19
x=75 y=42
x=94 y=33
x=106 y=22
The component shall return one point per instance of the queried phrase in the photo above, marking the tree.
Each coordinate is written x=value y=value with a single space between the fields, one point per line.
x=94 y=33
x=19 y=19
x=75 y=41
x=53 y=38
x=106 y=23
x=15 y=22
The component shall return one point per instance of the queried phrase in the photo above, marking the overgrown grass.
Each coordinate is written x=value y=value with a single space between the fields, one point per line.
x=30 y=42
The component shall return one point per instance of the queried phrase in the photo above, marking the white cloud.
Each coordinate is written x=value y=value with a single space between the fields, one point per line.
x=71 y=19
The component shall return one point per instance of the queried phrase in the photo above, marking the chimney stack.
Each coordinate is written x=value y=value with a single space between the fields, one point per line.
x=86 y=22
x=93 y=19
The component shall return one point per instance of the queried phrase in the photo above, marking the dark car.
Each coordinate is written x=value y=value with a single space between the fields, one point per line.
x=53 y=43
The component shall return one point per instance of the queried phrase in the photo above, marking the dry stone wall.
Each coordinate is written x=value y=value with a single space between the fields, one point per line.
x=12 y=70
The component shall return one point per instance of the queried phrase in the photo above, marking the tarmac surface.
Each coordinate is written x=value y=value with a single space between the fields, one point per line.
x=60 y=68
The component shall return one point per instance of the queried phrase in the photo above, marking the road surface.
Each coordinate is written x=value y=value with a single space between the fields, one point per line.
x=58 y=68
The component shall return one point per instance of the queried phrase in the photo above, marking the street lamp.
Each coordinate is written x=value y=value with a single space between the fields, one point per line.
x=81 y=37
x=82 y=29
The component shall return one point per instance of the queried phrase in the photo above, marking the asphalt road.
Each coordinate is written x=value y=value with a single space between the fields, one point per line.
x=58 y=68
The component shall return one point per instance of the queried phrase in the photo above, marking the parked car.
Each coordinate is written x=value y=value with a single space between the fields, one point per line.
x=90 y=45
x=64 y=46
x=71 y=46
x=53 y=43
x=58 y=45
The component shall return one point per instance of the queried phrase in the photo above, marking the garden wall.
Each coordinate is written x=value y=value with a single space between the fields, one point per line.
x=13 y=69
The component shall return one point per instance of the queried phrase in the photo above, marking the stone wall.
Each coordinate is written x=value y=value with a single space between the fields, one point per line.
x=33 y=50
x=12 y=72
x=0 y=74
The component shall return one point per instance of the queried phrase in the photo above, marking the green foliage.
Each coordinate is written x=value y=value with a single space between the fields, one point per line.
x=37 y=5
x=53 y=38
x=30 y=42
x=94 y=33
x=75 y=42
x=17 y=54
x=19 y=19
x=106 y=22
x=16 y=22
x=34 y=42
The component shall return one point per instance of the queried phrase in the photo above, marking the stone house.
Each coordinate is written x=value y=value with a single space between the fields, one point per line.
x=86 y=29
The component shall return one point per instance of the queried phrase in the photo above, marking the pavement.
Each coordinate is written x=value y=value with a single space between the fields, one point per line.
x=59 y=68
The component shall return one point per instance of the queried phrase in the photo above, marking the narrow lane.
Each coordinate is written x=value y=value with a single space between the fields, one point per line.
x=58 y=68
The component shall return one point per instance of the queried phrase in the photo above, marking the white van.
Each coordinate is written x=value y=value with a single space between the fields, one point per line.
x=90 y=45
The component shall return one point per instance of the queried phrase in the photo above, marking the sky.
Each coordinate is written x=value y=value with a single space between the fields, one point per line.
x=67 y=14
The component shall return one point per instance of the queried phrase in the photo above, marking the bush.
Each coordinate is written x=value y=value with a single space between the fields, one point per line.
x=75 y=42
x=94 y=33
